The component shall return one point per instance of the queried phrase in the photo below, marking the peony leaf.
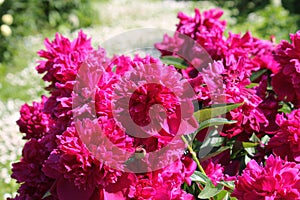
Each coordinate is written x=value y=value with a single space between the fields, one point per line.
x=208 y=113
x=215 y=122
x=47 y=194
x=114 y=69
x=179 y=63
x=199 y=177
x=265 y=139
x=257 y=74
x=252 y=85
x=254 y=138
x=210 y=191
x=228 y=184
x=223 y=195
x=211 y=155
x=249 y=144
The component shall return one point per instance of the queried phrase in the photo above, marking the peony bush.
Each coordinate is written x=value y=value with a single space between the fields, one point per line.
x=216 y=116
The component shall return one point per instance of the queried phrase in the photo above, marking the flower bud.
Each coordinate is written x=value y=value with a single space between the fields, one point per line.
x=5 y=30
x=7 y=19
x=140 y=153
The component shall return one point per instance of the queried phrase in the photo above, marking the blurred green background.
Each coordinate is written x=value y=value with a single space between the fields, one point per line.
x=25 y=23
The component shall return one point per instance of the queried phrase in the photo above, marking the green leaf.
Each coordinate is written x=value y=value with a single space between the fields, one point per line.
x=265 y=139
x=250 y=151
x=207 y=145
x=210 y=191
x=228 y=184
x=114 y=68
x=211 y=155
x=215 y=122
x=223 y=195
x=257 y=74
x=247 y=159
x=47 y=194
x=175 y=61
x=208 y=113
x=207 y=123
x=250 y=144
x=285 y=108
x=252 y=85
x=199 y=177
x=254 y=138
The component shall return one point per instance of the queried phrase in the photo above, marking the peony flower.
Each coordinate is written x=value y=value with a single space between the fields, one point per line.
x=286 y=82
x=28 y=171
x=206 y=22
x=278 y=179
x=162 y=184
x=63 y=58
x=285 y=142
x=214 y=171
x=33 y=121
x=233 y=90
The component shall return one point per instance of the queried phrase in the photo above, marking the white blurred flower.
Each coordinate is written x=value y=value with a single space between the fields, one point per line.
x=7 y=19
x=74 y=20
x=7 y=195
x=5 y=30
x=1 y=2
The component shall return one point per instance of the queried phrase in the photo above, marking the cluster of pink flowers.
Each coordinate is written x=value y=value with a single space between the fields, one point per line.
x=277 y=180
x=56 y=160
x=286 y=142
x=107 y=124
x=236 y=56
x=286 y=82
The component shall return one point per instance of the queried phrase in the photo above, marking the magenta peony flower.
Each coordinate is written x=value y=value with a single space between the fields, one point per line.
x=63 y=58
x=248 y=116
x=286 y=142
x=29 y=170
x=33 y=121
x=278 y=179
x=214 y=171
x=269 y=106
x=286 y=82
x=163 y=184
x=201 y=23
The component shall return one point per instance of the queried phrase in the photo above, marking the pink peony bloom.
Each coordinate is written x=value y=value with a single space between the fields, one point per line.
x=33 y=121
x=206 y=22
x=63 y=58
x=248 y=116
x=286 y=142
x=214 y=171
x=28 y=171
x=286 y=83
x=163 y=184
x=278 y=179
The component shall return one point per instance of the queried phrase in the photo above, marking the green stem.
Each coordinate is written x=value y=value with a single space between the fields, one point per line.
x=194 y=155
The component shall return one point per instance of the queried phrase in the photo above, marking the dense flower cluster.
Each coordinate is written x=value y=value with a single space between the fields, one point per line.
x=279 y=179
x=286 y=82
x=237 y=56
x=108 y=124
x=55 y=157
x=286 y=142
